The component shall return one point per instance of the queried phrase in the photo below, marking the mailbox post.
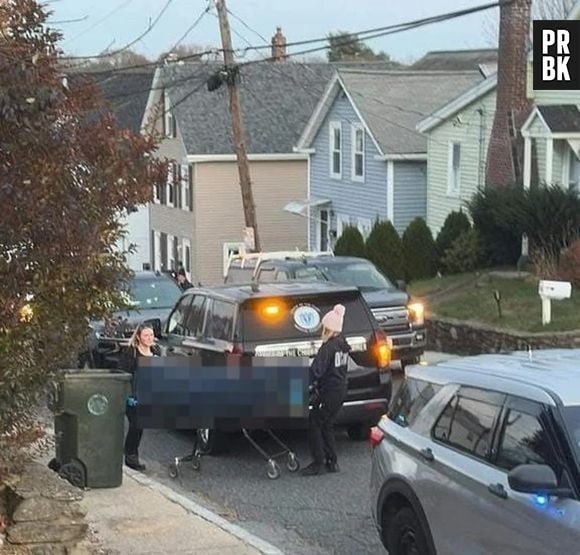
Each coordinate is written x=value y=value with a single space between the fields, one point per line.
x=552 y=291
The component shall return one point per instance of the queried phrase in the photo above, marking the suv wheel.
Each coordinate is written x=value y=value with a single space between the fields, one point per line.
x=359 y=432
x=404 y=533
x=210 y=442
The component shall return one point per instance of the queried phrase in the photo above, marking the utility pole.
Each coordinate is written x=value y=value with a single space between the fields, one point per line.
x=237 y=127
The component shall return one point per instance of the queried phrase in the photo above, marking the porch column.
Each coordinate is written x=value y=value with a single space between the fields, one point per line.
x=549 y=160
x=527 y=162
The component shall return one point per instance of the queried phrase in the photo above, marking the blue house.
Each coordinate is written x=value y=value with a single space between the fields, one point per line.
x=366 y=159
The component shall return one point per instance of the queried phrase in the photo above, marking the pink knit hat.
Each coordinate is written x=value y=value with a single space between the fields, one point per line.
x=334 y=319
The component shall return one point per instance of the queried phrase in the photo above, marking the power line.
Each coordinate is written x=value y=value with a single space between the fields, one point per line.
x=102 y=20
x=191 y=27
x=127 y=46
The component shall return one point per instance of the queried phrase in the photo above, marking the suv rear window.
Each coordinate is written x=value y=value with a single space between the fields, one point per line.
x=239 y=275
x=411 y=399
x=295 y=318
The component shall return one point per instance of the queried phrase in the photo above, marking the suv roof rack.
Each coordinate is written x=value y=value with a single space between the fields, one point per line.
x=258 y=257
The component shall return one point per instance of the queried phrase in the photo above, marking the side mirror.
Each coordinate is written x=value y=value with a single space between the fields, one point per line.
x=533 y=478
x=155 y=323
x=402 y=285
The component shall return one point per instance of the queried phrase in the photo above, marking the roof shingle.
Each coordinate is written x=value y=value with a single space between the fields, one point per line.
x=563 y=118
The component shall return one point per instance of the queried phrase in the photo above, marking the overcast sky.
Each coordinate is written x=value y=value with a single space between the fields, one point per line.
x=300 y=19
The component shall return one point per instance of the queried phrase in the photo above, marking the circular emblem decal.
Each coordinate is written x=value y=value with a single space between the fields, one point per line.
x=98 y=404
x=306 y=317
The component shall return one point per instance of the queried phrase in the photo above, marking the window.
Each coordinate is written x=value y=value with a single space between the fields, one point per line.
x=335 y=149
x=195 y=319
x=221 y=321
x=156 y=251
x=171 y=178
x=358 y=152
x=170 y=125
x=454 y=169
x=524 y=441
x=574 y=173
x=186 y=254
x=157 y=193
x=411 y=399
x=176 y=324
x=467 y=424
x=170 y=253
x=365 y=226
x=323 y=231
x=281 y=275
x=185 y=188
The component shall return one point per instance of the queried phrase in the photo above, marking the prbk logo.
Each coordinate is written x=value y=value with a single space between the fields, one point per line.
x=557 y=55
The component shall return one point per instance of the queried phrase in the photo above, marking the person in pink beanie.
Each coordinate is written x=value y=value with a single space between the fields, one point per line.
x=328 y=376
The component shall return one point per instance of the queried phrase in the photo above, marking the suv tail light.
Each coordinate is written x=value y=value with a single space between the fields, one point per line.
x=234 y=349
x=382 y=349
x=375 y=437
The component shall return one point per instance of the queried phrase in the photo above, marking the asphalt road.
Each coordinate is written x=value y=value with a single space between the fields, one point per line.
x=300 y=515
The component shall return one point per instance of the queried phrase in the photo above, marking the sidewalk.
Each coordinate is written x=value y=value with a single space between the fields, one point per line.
x=145 y=517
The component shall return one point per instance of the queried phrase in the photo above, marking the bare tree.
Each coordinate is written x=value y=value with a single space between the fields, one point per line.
x=541 y=9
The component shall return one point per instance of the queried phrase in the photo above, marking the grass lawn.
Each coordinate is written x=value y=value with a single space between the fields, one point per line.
x=521 y=304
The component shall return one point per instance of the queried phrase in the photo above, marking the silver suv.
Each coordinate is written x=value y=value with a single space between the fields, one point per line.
x=481 y=455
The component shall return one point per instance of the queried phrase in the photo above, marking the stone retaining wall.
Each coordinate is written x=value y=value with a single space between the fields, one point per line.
x=472 y=338
x=44 y=513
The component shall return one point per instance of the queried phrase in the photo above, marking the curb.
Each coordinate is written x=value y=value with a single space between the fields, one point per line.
x=192 y=507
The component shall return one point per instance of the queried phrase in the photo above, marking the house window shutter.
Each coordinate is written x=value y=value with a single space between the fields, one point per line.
x=177 y=185
x=163 y=251
x=152 y=250
x=190 y=178
x=176 y=253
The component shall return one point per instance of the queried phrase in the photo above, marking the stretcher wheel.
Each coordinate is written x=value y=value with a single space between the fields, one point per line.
x=196 y=462
x=292 y=464
x=173 y=472
x=273 y=470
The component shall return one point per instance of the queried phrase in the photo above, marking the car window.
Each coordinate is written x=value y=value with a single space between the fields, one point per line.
x=309 y=273
x=363 y=275
x=524 y=441
x=154 y=293
x=281 y=275
x=412 y=397
x=299 y=318
x=239 y=275
x=266 y=275
x=221 y=321
x=176 y=324
x=194 y=324
x=467 y=424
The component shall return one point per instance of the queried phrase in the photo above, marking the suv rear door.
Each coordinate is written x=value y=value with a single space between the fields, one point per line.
x=283 y=334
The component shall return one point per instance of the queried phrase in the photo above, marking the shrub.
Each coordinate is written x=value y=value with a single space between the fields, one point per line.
x=569 y=268
x=464 y=254
x=385 y=250
x=419 y=250
x=455 y=225
x=350 y=243
x=497 y=216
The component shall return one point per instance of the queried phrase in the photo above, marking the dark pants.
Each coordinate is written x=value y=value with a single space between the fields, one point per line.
x=321 y=436
x=134 y=434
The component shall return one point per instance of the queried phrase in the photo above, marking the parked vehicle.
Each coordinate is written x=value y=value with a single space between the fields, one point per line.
x=276 y=320
x=481 y=455
x=400 y=318
x=151 y=296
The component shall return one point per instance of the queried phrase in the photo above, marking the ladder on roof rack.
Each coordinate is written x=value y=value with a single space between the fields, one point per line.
x=275 y=255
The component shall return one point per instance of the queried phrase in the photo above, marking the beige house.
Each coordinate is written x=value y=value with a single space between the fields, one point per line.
x=197 y=219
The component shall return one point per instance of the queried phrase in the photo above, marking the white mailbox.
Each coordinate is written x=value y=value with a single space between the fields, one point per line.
x=552 y=291
x=555 y=290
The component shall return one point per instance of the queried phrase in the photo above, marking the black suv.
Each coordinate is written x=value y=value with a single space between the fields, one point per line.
x=150 y=297
x=402 y=320
x=274 y=320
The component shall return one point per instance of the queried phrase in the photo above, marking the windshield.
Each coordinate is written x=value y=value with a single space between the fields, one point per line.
x=148 y=294
x=360 y=274
x=572 y=421
x=309 y=273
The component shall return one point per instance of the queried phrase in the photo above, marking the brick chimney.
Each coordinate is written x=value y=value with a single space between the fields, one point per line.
x=279 y=46
x=505 y=151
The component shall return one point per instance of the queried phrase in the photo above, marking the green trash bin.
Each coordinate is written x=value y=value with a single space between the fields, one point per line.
x=89 y=419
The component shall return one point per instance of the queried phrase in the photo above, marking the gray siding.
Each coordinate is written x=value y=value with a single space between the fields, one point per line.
x=410 y=193
x=352 y=199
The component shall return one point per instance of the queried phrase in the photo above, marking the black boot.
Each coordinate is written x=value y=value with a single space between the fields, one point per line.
x=331 y=466
x=313 y=469
x=132 y=461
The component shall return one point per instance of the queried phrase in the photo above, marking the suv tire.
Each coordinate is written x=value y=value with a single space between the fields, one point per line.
x=210 y=442
x=359 y=432
x=404 y=533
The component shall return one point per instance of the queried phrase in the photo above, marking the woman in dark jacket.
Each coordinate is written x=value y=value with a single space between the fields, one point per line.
x=141 y=344
x=328 y=375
